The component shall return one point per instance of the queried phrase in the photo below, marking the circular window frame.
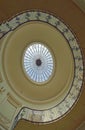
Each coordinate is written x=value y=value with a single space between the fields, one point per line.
x=44 y=44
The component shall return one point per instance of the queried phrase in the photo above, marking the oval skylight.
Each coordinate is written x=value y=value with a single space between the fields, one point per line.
x=38 y=62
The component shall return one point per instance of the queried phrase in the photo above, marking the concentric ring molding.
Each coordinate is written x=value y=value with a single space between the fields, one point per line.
x=14 y=72
x=60 y=109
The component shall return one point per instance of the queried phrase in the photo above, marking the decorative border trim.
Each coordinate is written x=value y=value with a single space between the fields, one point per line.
x=60 y=110
x=80 y=4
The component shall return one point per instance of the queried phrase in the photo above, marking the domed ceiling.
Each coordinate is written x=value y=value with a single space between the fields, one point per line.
x=42 y=69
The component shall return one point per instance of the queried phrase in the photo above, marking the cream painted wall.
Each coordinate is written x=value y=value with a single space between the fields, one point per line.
x=77 y=23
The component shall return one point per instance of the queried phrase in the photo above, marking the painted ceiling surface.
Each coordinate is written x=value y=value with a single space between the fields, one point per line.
x=24 y=96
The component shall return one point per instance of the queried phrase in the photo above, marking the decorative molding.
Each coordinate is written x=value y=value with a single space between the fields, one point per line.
x=61 y=109
x=13 y=101
x=82 y=126
x=3 y=94
x=9 y=107
x=81 y=4
x=2 y=89
x=69 y=101
x=4 y=121
x=0 y=78
x=2 y=128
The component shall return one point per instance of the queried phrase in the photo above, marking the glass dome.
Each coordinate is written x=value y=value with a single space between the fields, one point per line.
x=38 y=62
